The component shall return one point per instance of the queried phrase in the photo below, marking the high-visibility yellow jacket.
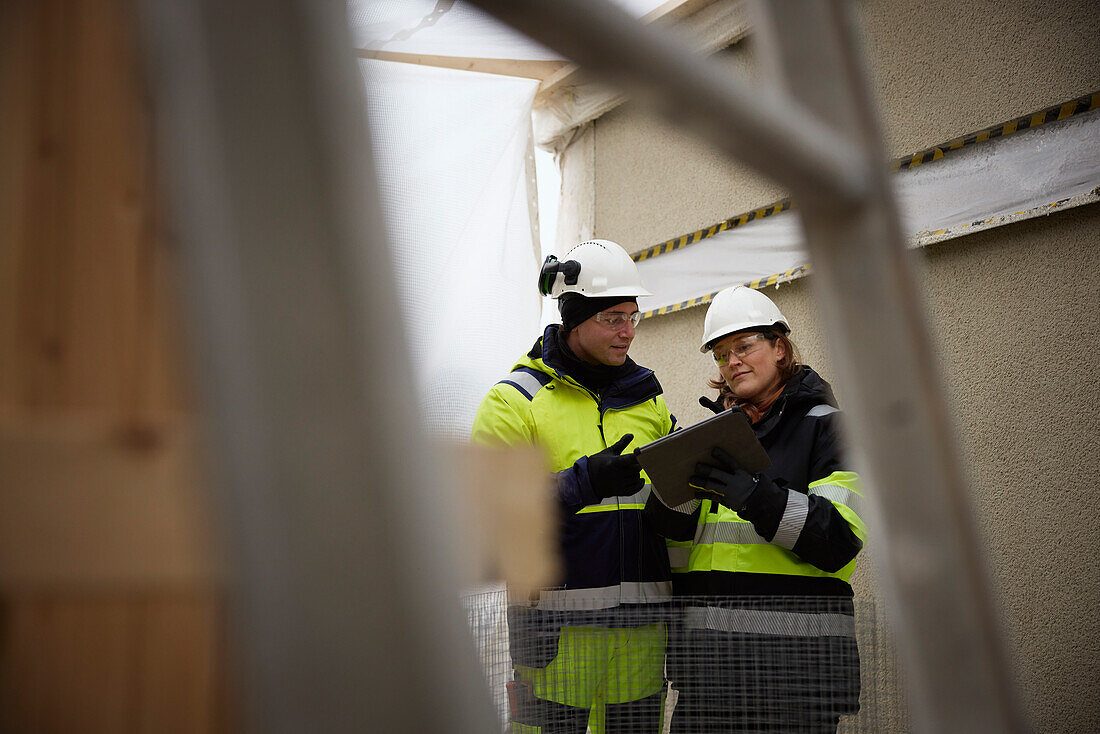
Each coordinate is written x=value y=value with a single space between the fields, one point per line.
x=766 y=588
x=610 y=556
x=799 y=534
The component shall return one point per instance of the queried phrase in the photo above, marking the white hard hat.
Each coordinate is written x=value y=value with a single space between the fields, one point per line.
x=593 y=268
x=736 y=309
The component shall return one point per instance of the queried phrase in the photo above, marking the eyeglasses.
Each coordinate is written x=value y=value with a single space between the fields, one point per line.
x=616 y=319
x=745 y=346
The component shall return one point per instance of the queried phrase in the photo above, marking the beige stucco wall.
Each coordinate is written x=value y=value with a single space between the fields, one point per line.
x=940 y=69
x=1014 y=309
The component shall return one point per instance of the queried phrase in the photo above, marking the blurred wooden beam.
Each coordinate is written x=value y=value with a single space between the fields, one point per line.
x=569 y=99
x=706 y=20
x=87 y=502
x=85 y=322
x=528 y=69
x=111 y=602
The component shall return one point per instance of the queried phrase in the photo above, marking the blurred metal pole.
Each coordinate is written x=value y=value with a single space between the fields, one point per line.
x=949 y=631
x=765 y=128
x=863 y=281
x=343 y=575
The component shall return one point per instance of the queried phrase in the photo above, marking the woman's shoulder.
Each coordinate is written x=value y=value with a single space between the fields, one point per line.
x=808 y=389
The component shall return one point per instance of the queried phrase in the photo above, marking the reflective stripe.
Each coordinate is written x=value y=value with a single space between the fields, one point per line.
x=688 y=507
x=628 y=592
x=840 y=495
x=634 y=501
x=794 y=519
x=820 y=410
x=763 y=622
x=613 y=507
x=679 y=557
x=742 y=533
x=525 y=382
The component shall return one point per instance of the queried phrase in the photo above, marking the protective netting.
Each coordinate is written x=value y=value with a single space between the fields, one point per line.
x=694 y=664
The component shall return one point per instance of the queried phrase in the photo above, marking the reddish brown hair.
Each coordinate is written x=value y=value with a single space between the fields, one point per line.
x=788 y=366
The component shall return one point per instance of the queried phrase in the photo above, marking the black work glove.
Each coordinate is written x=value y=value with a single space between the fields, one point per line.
x=723 y=480
x=610 y=473
x=715 y=406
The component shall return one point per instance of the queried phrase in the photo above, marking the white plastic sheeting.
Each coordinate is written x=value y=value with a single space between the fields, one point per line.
x=438 y=29
x=449 y=28
x=1015 y=173
x=450 y=150
x=771 y=245
x=1010 y=174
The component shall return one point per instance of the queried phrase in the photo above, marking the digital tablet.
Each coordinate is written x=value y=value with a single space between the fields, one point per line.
x=670 y=461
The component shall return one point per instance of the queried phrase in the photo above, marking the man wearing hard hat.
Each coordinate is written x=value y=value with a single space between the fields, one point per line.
x=590 y=653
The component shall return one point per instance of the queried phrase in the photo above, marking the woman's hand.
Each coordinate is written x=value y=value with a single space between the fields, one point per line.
x=723 y=480
x=715 y=406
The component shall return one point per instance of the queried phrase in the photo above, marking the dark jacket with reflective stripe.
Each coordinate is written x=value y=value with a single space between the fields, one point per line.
x=800 y=435
x=606 y=546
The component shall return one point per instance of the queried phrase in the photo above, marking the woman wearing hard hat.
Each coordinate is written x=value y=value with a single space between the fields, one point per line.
x=768 y=639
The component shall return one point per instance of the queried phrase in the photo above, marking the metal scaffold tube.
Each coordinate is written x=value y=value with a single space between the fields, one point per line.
x=343 y=584
x=948 y=630
x=766 y=128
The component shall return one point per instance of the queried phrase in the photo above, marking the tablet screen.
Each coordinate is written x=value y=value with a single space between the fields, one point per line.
x=670 y=461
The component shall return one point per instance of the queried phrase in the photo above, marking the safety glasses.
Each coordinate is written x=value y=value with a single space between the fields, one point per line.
x=616 y=320
x=743 y=347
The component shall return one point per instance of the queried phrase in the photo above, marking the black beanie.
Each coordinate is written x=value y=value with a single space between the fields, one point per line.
x=576 y=308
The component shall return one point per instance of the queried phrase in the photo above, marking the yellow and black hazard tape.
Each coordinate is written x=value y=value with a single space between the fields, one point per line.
x=1042 y=117
x=922 y=238
x=774 y=279
x=731 y=223
x=929 y=236
x=1026 y=122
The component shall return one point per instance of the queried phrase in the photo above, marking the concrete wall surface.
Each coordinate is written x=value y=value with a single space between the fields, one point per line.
x=939 y=69
x=1013 y=309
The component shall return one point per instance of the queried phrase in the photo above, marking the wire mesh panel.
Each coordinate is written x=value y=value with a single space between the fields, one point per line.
x=486 y=611
x=695 y=664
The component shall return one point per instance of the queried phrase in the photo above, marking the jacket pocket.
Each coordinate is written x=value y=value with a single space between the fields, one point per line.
x=533 y=636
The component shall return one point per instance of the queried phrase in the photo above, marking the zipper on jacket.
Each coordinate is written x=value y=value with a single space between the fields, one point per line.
x=618 y=512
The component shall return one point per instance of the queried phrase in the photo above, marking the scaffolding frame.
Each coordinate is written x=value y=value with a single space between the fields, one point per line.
x=300 y=361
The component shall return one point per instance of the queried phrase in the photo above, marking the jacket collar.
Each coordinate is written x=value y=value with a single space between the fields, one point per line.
x=803 y=391
x=633 y=385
